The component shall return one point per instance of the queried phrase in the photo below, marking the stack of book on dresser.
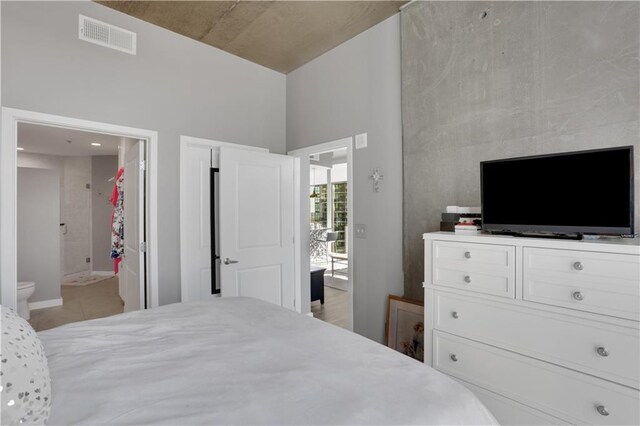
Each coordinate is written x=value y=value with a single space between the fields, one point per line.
x=461 y=220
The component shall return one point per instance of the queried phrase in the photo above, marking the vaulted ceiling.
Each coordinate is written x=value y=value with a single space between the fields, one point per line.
x=281 y=35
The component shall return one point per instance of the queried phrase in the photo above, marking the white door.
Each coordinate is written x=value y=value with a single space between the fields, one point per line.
x=196 y=231
x=133 y=265
x=256 y=226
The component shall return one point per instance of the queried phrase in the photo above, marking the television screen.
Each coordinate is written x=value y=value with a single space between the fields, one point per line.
x=587 y=192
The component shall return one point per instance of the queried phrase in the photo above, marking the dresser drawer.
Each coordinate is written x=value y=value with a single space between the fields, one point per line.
x=509 y=412
x=602 y=283
x=604 y=350
x=563 y=393
x=482 y=268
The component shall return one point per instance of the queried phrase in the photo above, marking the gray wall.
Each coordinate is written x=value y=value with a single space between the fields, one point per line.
x=174 y=85
x=38 y=235
x=103 y=168
x=352 y=89
x=529 y=78
x=41 y=161
x=54 y=162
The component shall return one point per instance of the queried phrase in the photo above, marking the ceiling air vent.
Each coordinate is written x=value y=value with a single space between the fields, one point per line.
x=107 y=35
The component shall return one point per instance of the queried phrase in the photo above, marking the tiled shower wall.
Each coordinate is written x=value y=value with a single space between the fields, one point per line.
x=75 y=212
x=103 y=168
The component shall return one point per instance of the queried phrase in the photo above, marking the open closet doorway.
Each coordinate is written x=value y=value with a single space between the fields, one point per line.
x=325 y=221
x=83 y=219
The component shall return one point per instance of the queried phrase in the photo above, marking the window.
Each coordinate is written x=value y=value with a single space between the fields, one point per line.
x=340 y=215
x=318 y=207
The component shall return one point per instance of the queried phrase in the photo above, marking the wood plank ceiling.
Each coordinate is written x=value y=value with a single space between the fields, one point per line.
x=281 y=35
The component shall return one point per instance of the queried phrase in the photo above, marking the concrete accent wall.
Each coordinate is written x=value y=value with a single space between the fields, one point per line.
x=174 y=85
x=103 y=168
x=38 y=214
x=489 y=80
x=352 y=89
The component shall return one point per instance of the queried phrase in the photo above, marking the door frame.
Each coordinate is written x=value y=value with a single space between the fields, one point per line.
x=302 y=229
x=8 y=192
x=185 y=143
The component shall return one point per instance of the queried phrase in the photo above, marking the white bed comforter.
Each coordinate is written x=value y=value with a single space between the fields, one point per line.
x=240 y=361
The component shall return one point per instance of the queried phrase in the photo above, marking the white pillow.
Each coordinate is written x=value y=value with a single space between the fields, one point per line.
x=24 y=383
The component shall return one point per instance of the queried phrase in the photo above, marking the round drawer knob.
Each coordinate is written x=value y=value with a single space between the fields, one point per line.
x=454 y=357
x=578 y=266
x=602 y=351
x=455 y=315
x=602 y=410
x=578 y=295
x=467 y=279
x=467 y=255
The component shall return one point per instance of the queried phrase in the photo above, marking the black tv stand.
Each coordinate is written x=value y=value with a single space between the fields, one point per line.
x=539 y=235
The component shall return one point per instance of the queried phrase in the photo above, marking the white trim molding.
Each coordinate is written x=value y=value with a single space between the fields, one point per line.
x=323 y=147
x=302 y=262
x=45 y=304
x=8 y=166
x=185 y=141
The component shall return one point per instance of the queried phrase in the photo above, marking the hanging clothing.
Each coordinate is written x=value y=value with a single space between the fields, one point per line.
x=117 y=225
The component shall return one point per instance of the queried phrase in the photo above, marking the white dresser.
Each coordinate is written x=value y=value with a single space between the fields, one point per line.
x=544 y=331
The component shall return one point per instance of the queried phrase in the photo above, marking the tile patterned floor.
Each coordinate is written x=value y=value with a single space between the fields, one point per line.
x=79 y=304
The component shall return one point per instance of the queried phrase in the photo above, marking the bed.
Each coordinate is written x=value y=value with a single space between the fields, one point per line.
x=240 y=361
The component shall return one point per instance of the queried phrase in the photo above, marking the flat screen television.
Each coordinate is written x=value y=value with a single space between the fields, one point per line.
x=585 y=192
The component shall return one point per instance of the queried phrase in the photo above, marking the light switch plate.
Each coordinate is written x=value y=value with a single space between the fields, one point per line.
x=361 y=140
x=360 y=231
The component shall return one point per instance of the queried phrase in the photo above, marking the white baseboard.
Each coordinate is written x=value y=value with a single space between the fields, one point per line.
x=102 y=273
x=45 y=304
x=309 y=314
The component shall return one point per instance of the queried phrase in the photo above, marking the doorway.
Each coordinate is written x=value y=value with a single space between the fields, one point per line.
x=65 y=182
x=77 y=263
x=326 y=211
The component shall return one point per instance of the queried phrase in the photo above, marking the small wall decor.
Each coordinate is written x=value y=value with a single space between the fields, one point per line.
x=405 y=326
x=376 y=176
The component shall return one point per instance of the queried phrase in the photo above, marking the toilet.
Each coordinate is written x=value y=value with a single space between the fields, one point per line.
x=25 y=290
